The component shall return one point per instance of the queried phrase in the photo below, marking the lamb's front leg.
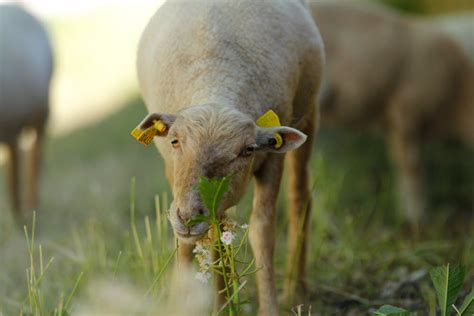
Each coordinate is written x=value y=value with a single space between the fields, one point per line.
x=185 y=254
x=262 y=231
x=181 y=269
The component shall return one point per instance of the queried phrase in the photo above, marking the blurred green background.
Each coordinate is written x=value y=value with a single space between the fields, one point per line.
x=430 y=6
x=360 y=243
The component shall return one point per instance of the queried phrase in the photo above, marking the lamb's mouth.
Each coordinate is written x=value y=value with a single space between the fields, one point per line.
x=189 y=235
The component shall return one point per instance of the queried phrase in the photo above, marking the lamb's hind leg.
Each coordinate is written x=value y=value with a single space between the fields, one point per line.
x=262 y=231
x=299 y=210
x=13 y=180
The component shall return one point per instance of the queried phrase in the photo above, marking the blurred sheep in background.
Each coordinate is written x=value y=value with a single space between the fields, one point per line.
x=398 y=75
x=26 y=65
x=461 y=27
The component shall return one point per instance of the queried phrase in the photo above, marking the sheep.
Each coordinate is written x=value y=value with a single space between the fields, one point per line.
x=399 y=76
x=207 y=71
x=26 y=65
x=461 y=27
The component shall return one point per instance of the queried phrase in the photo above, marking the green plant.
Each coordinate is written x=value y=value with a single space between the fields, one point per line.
x=447 y=282
x=467 y=308
x=35 y=275
x=389 y=310
x=226 y=264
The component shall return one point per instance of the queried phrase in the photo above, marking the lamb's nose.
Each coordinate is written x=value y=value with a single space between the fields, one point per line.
x=184 y=218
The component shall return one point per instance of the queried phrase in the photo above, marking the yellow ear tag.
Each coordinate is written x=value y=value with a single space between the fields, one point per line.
x=279 y=140
x=271 y=119
x=159 y=126
x=146 y=136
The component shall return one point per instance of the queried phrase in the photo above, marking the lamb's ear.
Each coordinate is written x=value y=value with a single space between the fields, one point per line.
x=161 y=120
x=279 y=139
x=154 y=124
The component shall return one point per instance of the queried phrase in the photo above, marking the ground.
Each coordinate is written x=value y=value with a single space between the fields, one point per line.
x=362 y=253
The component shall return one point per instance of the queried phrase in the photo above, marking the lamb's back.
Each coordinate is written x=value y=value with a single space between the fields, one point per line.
x=253 y=49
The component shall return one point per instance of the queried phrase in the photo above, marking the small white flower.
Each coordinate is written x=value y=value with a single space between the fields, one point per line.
x=203 y=276
x=227 y=238
x=244 y=226
x=199 y=249
x=203 y=255
x=205 y=259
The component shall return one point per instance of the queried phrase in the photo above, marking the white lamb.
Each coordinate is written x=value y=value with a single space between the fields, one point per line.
x=208 y=70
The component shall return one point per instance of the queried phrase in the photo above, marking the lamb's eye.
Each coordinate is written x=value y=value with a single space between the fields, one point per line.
x=175 y=143
x=247 y=151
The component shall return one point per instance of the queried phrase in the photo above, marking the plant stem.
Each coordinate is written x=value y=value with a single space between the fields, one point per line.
x=221 y=256
x=233 y=274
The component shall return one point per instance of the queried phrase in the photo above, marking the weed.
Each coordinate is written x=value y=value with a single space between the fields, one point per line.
x=227 y=265
x=447 y=282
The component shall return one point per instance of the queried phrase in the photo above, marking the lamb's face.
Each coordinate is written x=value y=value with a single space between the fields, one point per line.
x=213 y=141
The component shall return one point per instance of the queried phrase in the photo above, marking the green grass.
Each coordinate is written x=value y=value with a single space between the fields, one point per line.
x=114 y=259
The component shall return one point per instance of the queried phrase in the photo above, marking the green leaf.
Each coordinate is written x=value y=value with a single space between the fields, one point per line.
x=197 y=219
x=211 y=192
x=467 y=308
x=389 y=310
x=447 y=282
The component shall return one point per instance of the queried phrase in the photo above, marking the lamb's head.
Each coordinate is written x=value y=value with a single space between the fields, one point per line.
x=212 y=141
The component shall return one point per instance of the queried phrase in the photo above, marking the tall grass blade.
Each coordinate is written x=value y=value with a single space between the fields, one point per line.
x=117 y=262
x=160 y=273
x=71 y=295
x=133 y=224
x=230 y=298
x=159 y=230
